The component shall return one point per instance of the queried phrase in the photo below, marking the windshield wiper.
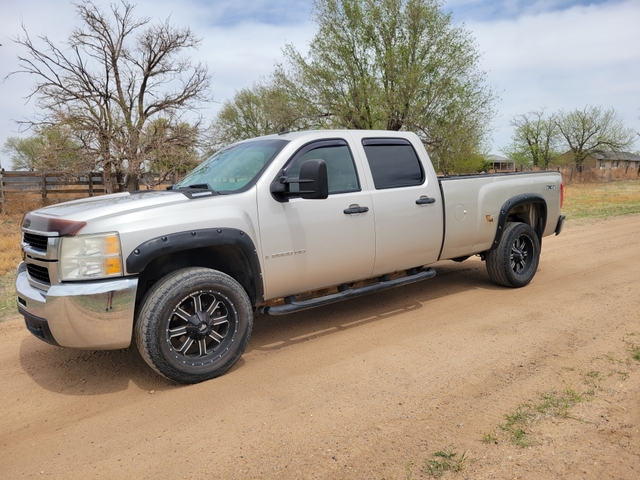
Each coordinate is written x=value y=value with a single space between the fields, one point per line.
x=201 y=186
x=195 y=186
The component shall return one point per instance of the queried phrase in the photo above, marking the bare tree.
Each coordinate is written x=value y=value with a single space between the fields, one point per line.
x=170 y=149
x=594 y=130
x=116 y=75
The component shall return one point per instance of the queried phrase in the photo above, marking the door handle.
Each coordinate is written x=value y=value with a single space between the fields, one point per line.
x=353 y=210
x=425 y=200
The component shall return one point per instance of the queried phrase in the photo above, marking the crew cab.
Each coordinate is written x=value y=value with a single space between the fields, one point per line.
x=269 y=226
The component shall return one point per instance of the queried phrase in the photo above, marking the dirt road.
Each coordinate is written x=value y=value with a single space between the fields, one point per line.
x=368 y=388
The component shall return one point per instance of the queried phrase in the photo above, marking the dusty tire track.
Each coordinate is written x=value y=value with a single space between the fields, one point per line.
x=360 y=389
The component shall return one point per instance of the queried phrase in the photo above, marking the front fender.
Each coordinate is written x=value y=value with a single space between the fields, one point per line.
x=177 y=242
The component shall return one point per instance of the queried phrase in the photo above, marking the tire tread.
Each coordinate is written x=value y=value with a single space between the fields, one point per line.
x=498 y=260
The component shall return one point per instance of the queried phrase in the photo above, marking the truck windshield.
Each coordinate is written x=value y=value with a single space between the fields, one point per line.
x=234 y=168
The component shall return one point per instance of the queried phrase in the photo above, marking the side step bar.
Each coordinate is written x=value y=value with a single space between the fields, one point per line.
x=345 y=292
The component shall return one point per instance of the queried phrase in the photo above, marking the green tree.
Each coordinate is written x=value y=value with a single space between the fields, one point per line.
x=593 y=130
x=386 y=64
x=23 y=152
x=265 y=108
x=52 y=148
x=535 y=140
x=116 y=75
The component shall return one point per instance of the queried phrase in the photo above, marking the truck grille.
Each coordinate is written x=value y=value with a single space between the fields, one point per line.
x=38 y=273
x=38 y=242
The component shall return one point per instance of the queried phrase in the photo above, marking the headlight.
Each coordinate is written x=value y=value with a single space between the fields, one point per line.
x=87 y=257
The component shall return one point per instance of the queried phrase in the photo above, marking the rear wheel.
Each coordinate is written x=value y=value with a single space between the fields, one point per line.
x=194 y=324
x=515 y=261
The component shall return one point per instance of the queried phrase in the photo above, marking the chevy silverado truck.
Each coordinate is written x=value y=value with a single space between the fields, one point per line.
x=271 y=225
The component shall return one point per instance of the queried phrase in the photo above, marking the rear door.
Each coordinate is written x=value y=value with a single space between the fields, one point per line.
x=407 y=204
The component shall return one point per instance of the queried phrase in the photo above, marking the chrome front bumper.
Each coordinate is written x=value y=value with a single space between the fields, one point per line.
x=95 y=315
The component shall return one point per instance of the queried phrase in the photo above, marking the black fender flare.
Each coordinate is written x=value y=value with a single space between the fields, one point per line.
x=148 y=251
x=514 y=202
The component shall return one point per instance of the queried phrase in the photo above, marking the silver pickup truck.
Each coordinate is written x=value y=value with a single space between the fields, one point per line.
x=269 y=226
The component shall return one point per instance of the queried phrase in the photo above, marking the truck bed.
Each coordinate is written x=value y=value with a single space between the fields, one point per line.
x=472 y=205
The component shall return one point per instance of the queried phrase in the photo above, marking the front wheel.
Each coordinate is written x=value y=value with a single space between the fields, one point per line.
x=194 y=324
x=515 y=261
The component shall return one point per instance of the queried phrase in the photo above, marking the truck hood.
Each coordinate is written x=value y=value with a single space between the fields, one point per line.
x=88 y=209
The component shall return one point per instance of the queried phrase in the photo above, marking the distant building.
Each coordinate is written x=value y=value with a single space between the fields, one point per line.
x=501 y=164
x=606 y=160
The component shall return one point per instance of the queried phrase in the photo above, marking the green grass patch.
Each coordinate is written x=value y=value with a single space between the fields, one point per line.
x=635 y=353
x=517 y=426
x=489 y=438
x=445 y=461
x=602 y=200
x=633 y=347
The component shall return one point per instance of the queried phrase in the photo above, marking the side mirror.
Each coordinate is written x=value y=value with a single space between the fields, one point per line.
x=312 y=181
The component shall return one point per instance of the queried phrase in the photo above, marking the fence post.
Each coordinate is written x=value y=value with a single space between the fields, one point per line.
x=2 y=209
x=91 y=184
x=44 y=186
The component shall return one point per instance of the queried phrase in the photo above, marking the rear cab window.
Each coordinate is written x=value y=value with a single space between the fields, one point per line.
x=393 y=163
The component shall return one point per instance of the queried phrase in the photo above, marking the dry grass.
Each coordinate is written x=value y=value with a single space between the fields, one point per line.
x=10 y=254
x=20 y=203
x=602 y=200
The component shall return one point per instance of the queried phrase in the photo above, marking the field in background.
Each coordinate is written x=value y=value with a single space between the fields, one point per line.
x=582 y=200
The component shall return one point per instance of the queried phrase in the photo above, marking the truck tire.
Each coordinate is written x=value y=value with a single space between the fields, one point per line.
x=194 y=324
x=515 y=261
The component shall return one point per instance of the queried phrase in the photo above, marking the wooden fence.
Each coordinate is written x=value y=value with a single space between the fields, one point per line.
x=51 y=186
x=571 y=174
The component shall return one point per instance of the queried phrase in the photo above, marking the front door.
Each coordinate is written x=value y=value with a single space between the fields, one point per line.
x=311 y=244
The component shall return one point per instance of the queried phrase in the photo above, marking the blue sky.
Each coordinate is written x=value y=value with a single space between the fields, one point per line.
x=491 y=10
x=561 y=54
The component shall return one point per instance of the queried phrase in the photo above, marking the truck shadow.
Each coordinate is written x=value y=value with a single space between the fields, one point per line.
x=84 y=373
x=276 y=332
x=87 y=372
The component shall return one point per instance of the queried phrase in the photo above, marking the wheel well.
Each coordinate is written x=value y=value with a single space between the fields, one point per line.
x=528 y=208
x=228 y=259
x=531 y=214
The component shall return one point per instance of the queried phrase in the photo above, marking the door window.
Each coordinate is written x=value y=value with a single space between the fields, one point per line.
x=341 y=171
x=393 y=162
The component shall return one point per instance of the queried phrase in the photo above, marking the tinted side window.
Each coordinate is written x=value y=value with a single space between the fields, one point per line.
x=341 y=171
x=393 y=163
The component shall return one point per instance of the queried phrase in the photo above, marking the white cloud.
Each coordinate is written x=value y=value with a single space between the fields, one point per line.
x=564 y=60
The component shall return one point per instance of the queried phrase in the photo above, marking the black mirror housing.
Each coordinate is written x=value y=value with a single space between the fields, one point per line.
x=313 y=180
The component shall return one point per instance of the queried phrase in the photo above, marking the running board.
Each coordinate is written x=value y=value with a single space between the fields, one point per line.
x=345 y=292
